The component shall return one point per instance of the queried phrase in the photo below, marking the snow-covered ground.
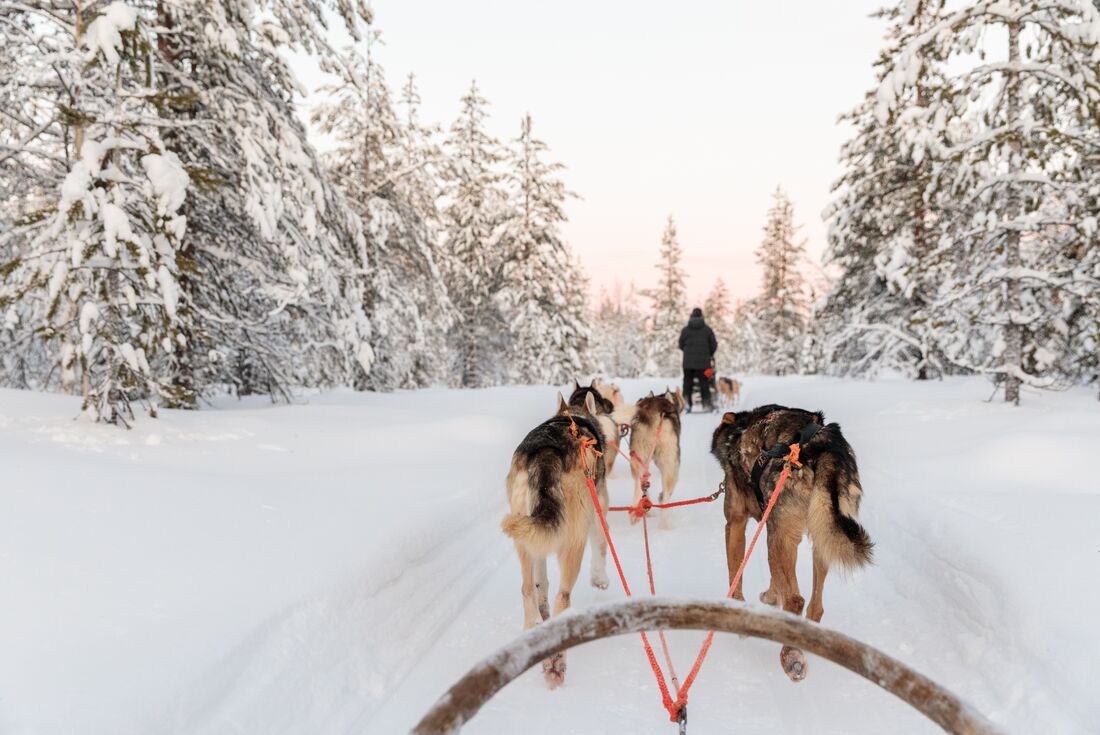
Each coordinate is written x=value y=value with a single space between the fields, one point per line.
x=332 y=566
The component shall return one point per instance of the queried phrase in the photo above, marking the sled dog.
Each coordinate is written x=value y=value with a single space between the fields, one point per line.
x=551 y=511
x=729 y=390
x=655 y=431
x=610 y=391
x=821 y=499
x=607 y=415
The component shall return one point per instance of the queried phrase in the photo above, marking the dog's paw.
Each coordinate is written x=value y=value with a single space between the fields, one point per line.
x=768 y=597
x=599 y=581
x=553 y=669
x=793 y=662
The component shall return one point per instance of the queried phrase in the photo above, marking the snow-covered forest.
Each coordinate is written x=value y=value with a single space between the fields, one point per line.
x=169 y=231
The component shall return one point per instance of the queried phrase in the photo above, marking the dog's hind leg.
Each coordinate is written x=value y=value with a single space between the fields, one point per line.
x=736 y=521
x=569 y=562
x=542 y=587
x=531 y=616
x=783 y=560
x=667 y=460
x=641 y=449
x=597 y=543
x=816 y=609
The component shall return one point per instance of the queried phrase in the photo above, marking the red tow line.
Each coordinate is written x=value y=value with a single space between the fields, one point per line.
x=676 y=708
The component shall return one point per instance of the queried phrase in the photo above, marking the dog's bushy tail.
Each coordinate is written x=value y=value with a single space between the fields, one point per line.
x=834 y=503
x=544 y=472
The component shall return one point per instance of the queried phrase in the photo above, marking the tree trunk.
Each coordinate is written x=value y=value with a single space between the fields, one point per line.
x=1013 y=354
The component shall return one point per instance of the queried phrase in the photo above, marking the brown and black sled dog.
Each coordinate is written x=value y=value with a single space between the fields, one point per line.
x=821 y=499
x=551 y=512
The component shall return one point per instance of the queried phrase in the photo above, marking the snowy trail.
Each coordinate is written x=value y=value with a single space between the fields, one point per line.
x=928 y=601
x=312 y=568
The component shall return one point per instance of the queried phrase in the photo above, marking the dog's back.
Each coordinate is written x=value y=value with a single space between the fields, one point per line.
x=652 y=410
x=547 y=492
x=827 y=490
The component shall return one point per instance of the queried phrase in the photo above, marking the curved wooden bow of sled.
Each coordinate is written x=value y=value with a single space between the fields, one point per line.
x=473 y=690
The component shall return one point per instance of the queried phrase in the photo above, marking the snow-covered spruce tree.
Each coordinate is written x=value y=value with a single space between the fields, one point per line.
x=747 y=353
x=720 y=316
x=670 y=307
x=618 y=327
x=92 y=259
x=1018 y=123
x=274 y=261
x=544 y=291
x=32 y=166
x=380 y=165
x=419 y=184
x=778 y=315
x=473 y=217
x=882 y=228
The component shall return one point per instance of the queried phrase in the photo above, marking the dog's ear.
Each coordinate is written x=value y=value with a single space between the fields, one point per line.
x=592 y=384
x=729 y=417
x=576 y=385
x=562 y=405
x=590 y=403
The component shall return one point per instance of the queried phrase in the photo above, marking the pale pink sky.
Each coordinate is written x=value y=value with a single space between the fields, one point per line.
x=698 y=109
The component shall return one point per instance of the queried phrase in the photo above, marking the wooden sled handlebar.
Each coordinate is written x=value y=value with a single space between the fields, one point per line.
x=463 y=700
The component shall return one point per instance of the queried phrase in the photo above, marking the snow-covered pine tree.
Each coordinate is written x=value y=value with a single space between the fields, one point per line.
x=544 y=291
x=778 y=315
x=618 y=327
x=274 y=260
x=670 y=307
x=720 y=316
x=882 y=229
x=92 y=256
x=1018 y=122
x=473 y=217
x=383 y=170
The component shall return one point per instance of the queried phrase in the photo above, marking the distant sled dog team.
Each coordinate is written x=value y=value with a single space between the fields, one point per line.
x=551 y=512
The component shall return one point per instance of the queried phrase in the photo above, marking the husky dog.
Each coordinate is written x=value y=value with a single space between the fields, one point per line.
x=729 y=390
x=552 y=512
x=821 y=499
x=607 y=415
x=651 y=414
x=610 y=391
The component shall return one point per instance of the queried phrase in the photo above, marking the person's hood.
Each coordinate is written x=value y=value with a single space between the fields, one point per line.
x=696 y=322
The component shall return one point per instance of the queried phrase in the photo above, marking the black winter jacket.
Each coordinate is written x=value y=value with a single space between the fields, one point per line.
x=698 y=343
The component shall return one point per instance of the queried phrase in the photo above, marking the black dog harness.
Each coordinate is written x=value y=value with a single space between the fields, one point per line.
x=780 y=450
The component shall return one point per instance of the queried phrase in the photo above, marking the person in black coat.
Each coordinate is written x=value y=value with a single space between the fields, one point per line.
x=699 y=345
